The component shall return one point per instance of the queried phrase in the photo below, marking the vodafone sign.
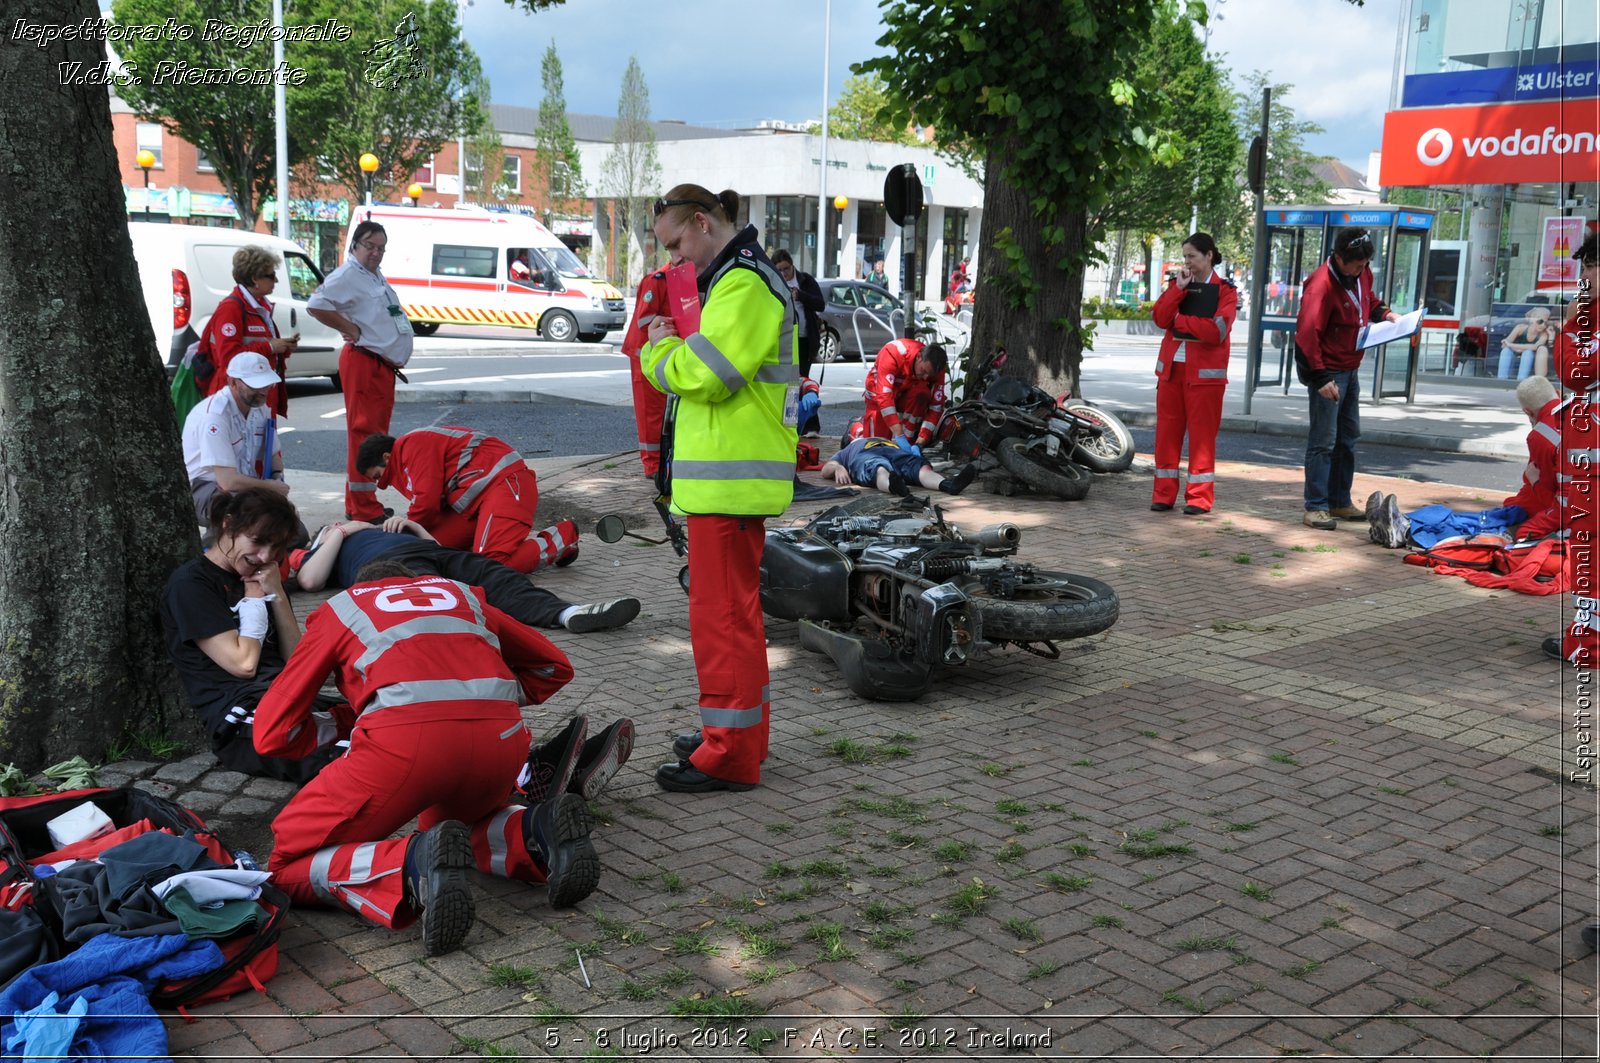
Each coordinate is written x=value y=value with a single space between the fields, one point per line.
x=1498 y=144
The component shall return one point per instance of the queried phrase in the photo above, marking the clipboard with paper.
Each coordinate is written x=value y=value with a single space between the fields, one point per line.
x=1199 y=300
x=1388 y=331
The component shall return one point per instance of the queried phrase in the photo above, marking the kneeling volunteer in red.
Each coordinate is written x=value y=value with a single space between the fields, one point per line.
x=438 y=676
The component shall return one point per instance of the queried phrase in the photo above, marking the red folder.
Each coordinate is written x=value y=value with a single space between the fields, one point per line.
x=683 y=298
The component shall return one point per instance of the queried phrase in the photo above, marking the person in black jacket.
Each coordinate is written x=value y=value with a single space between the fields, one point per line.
x=808 y=297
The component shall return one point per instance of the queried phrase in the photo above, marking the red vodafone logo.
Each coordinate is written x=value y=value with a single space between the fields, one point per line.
x=1512 y=143
x=1435 y=146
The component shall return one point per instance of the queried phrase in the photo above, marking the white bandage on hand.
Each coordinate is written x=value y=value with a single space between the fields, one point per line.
x=253 y=617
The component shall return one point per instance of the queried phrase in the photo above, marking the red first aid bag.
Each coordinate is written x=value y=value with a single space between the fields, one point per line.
x=250 y=956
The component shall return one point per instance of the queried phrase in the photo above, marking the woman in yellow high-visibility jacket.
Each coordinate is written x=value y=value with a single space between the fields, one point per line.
x=733 y=455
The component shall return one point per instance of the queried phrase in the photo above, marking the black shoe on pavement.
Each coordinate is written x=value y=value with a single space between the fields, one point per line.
x=552 y=762
x=558 y=841
x=685 y=744
x=388 y=511
x=602 y=757
x=1195 y=511
x=1552 y=648
x=1160 y=507
x=601 y=616
x=954 y=485
x=436 y=887
x=897 y=485
x=685 y=778
x=567 y=558
x=1591 y=936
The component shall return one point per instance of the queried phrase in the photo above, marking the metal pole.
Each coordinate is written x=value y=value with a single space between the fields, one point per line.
x=147 y=194
x=280 y=119
x=822 y=189
x=1258 y=266
x=461 y=138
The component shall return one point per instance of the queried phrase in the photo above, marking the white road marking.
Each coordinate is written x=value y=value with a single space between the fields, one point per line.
x=336 y=413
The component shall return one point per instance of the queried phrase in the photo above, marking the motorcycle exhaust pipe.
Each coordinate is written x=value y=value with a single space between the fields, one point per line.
x=999 y=536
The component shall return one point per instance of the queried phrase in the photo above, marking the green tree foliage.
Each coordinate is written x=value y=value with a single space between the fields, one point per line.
x=231 y=123
x=560 y=171
x=1045 y=88
x=631 y=173
x=863 y=111
x=403 y=122
x=1291 y=175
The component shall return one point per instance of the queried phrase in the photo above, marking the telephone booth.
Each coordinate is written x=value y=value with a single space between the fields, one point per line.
x=1299 y=241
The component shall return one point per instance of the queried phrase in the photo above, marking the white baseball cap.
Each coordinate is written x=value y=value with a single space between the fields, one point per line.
x=254 y=370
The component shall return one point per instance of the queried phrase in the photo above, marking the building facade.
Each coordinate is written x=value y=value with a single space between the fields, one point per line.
x=1495 y=123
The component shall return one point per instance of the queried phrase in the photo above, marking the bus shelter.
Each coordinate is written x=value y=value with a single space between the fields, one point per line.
x=1299 y=240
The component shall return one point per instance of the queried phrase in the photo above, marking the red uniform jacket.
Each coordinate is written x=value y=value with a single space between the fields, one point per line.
x=236 y=327
x=652 y=297
x=1206 y=354
x=1331 y=319
x=446 y=466
x=1577 y=358
x=892 y=386
x=1538 y=493
x=408 y=651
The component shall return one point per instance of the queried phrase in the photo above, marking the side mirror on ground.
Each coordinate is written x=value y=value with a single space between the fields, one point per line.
x=611 y=528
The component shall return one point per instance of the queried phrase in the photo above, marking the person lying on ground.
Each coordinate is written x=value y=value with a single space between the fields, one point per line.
x=892 y=466
x=229 y=628
x=342 y=550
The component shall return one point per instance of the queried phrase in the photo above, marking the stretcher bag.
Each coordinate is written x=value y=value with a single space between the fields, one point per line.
x=250 y=957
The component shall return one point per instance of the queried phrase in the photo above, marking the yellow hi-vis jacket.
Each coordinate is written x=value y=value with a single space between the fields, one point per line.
x=738 y=388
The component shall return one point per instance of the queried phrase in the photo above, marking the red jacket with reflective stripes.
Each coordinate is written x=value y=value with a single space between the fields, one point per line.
x=408 y=650
x=1538 y=493
x=446 y=466
x=892 y=385
x=651 y=298
x=1207 y=354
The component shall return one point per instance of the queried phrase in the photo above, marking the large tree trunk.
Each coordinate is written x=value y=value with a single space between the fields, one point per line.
x=94 y=510
x=1028 y=305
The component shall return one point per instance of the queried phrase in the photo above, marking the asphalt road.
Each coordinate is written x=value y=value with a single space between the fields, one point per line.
x=560 y=428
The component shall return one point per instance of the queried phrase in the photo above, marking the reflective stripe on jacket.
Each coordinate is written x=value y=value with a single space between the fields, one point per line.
x=734 y=439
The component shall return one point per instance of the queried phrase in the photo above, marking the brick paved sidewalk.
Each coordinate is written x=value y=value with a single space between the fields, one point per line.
x=1302 y=799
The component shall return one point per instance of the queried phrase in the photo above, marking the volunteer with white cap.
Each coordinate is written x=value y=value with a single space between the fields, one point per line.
x=229 y=440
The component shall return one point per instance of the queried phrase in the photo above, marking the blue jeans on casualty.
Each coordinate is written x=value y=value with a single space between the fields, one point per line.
x=1331 y=444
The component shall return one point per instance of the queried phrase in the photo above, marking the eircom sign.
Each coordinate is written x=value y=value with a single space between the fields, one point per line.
x=1499 y=144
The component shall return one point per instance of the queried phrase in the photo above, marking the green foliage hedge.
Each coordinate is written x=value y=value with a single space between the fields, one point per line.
x=1096 y=307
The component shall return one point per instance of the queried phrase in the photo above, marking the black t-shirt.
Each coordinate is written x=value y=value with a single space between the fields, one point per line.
x=197 y=604
x=370 y=544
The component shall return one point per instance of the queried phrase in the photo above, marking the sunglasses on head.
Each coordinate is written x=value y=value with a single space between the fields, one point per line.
x=662 y=204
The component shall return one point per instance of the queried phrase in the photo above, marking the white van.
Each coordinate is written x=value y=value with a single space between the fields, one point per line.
x=471 y=266
x=186 y=270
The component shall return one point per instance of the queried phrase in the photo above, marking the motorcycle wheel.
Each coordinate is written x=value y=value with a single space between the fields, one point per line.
x=1053 y=607
x=1112 y=451
x=1052 y=476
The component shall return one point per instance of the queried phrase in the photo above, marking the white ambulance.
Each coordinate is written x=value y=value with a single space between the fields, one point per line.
x=471 y=266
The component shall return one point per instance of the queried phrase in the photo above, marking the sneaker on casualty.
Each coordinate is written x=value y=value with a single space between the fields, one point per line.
x=1319 y=519
x=601 y=616
x=1389 y=527
x=552 y=762
x=1374 y=503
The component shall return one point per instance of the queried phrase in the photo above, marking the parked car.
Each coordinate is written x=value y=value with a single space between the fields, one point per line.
x=857 y=320
x=186 y=270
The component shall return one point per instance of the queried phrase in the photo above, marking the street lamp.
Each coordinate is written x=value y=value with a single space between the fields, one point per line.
x=414 y=190
x=369 y=166
x=146 y=159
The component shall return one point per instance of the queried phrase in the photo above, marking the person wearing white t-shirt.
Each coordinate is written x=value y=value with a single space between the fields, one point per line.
x=356 y=301
x=229 y=442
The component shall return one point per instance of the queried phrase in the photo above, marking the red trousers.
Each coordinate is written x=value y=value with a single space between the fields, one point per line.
x=368 y=384
x=1183 y=406
x=730 y=645
x=332 y=844
x=649 y=405
x=500 y=526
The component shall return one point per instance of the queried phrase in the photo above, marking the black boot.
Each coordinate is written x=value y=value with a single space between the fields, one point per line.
x=954 y=485
x=436 y=887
